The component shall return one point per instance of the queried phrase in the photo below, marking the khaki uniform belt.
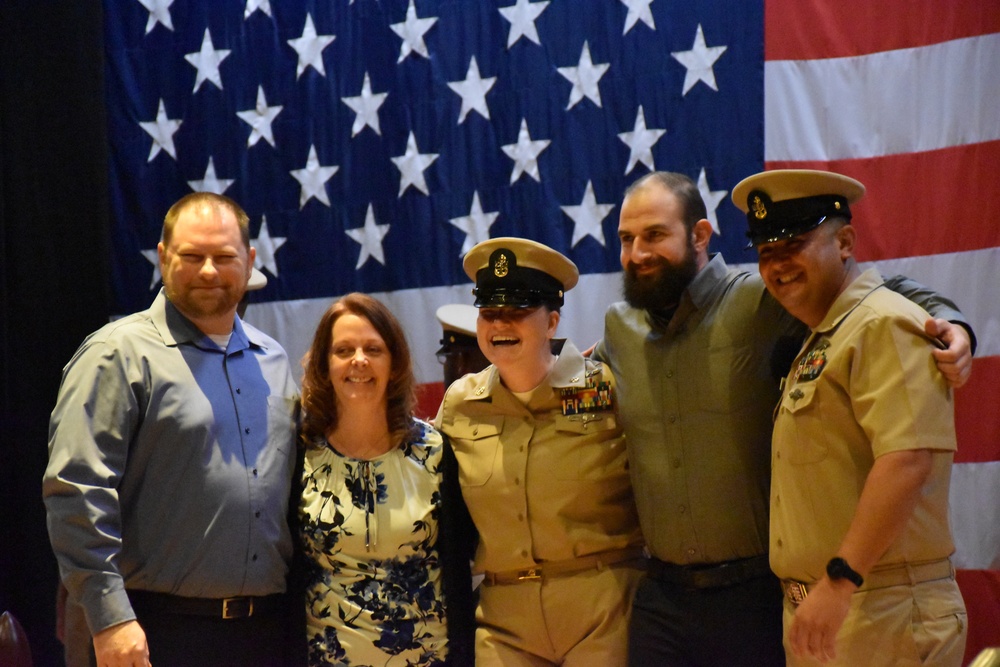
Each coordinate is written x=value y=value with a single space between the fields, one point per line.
x=897 y=575
x=558 y=568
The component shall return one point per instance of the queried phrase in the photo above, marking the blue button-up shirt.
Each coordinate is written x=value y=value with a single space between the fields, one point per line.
x=170 y=464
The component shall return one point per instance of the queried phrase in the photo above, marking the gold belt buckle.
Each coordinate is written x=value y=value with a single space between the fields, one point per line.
x=228 y=612
x=529 y=574
x=796 y=592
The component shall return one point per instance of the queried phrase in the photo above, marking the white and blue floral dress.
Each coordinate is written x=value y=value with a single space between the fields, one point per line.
x=369 y=530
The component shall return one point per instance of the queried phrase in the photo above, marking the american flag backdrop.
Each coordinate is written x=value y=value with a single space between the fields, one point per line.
x=373 y=142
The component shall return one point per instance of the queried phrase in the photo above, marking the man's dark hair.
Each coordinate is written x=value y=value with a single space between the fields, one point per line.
x=683 y=188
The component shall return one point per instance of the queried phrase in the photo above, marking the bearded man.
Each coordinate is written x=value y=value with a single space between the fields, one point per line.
x=698 y=350
x=171 y=449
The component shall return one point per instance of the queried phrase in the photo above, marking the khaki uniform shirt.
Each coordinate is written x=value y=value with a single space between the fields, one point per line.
x=540 y=484
x=864 y=384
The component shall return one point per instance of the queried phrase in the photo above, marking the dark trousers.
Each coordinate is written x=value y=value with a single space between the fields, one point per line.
x=272 y=639
x=674 y=626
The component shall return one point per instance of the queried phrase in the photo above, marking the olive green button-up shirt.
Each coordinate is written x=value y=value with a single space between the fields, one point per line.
x=695 y=399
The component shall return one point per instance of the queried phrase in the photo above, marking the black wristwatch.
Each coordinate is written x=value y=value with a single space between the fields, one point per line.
x=838 y=568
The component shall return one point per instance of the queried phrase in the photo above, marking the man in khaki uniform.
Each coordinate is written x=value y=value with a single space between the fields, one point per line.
x=862 y=447
x=543 y=471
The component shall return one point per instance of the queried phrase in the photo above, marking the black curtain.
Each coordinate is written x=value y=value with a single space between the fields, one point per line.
x=53 y=268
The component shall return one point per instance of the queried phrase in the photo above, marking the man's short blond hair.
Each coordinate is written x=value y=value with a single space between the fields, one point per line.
x=217 y=202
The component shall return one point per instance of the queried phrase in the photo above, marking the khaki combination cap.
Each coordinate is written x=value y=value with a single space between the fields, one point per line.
x=458 y=325
x=519 y=273
x=257 y=280
x=783 y=203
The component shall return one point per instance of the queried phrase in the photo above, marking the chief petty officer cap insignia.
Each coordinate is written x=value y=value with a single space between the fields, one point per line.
x=518 y=273
x=783 y=203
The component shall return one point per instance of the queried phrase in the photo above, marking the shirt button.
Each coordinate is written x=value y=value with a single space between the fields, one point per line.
x=475 y=431
x=237 y=390
x=670 y=374
x=254 y=558
x=521 y=448
x=520 y=516
x=257 y=514
x=682 y=509
x=254 y=472
x=677 y=463
x=672 y=418
x=691 y=552
x=246 y=430
x=524 y=553
x=517 y=481
x=778 y=542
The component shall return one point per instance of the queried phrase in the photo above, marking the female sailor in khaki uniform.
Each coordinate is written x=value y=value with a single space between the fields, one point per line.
x=543 y=471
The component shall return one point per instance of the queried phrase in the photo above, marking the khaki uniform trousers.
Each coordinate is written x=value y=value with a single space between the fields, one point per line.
x=576 y=620
x=898 y=626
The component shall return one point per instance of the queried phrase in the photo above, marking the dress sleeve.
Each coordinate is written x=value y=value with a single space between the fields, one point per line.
x=896 y=395
x=936 y=304
x=457 y=547
x=96 y=414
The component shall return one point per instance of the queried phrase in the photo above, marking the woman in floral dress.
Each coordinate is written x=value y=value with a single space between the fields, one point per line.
x=370 y=506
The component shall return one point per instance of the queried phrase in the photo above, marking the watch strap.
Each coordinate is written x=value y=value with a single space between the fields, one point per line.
x=838 y=568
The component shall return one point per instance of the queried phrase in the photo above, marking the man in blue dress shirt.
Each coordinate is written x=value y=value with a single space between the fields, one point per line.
x=172 y=445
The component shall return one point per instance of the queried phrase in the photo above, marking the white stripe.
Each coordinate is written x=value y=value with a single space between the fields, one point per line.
x=975 y=515
x=959 y=276
x=970 y=279
x=293 y=323
x=887 y=103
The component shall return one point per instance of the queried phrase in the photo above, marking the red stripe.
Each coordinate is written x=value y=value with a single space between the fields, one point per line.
x=981 y=590
x=976 y=418
x=926 y=203
x=810 y=29
x=428 y=399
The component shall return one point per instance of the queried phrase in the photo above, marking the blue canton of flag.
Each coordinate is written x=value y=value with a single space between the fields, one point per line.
x=373 y=142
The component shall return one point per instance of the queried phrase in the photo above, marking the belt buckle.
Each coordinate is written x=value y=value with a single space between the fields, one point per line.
x=529 y=574
x=796 y=592
x=232 y=607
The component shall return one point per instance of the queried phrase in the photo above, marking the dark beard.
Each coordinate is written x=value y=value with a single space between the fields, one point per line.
x=663 y=291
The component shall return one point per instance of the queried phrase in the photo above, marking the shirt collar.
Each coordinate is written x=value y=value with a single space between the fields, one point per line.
x=698 y=295
x=176 y=329
x=705 y=281
x=849 y=299
x=569 y=371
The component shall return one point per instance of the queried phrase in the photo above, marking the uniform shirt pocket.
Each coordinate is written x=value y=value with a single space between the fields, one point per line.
x=801 y=405
x=589 y=447
x=476 y=443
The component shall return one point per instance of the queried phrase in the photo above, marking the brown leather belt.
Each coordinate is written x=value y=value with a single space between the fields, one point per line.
x=896 y=575
x=558 y=568
x=226 y=608
x=711 y=575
